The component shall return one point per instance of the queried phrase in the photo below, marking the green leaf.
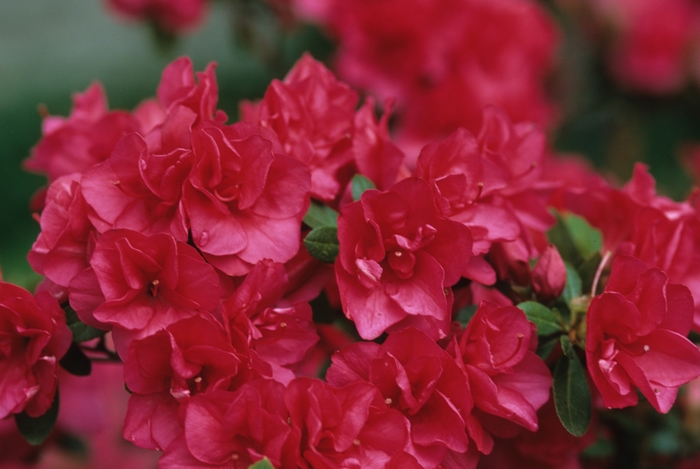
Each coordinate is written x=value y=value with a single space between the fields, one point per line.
x=81 y=331
x=575 y=239
x=588 y=269
x=572 y=397
x=587 y=239
x=544 y=318
x=322 y=243
x=320 y=215
x=76 y=362
x=264 y=463
x=36 y=429
x=544 y=348
x=464 y=315
x=573 y=288
x=359 y=185
x=560 y=236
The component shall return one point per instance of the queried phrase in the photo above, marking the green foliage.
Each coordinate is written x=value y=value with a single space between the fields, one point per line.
x=320 y=215
x=572 y=397
x=36 y=429
x=264 y=463
x=573 y=288
x=322 y=243
x=81 y=331
x=545 y=319
x=359 y=185
x=76 y=362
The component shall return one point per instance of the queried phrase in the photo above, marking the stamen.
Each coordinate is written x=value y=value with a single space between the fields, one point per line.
x=154 y=287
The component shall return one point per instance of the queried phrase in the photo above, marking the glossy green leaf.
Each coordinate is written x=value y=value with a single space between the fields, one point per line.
x=587 y=239
x=264 y=463
x=572 y=397
x=544 y=318
x=545 y=347
x=322 y=243
x=36 y=429
x=573 y=287
x=81 y=331
x=360 y=184
x=320 y=215
x=560 y=236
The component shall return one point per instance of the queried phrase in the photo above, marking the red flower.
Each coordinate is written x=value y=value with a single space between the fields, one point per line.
x=67 y=237
x=549 y=275
x=508 y=381
x=172 y=16
x=85 y=138
x=234 y=430
x=244 y=202
x=491 y=184
x=279 y=335
x=33 y=337
x=636 y=337
x=137 y=285
x=425 y=53
x=165 y=370
x=397 y=256
x=422 y=381
x=314 y=116
x=348 y=426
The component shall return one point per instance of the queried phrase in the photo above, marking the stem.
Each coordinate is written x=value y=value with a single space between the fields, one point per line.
x=599 y=272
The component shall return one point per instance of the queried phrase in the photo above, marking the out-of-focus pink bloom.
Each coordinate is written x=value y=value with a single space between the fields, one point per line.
x=636 y=337
x=33 y=338
x=173 y=16
x=650 y=41
x=444 y=61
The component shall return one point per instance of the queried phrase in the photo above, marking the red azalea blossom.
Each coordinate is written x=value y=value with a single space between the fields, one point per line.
x=636 y=337
x=421 y=380
x=233 y=430
x=279 y=335
x=491 y=183
x=397 y=256
x=33 y=337
x=314 y=116
x=138 y=284
x=508 y=381
x=67 y=237
x=338 y=427
x=85 y=138
x=244 y=202
x=165 y=370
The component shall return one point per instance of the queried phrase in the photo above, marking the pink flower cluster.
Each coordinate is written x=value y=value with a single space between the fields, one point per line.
x=651 y=45
x=181 y=235
x=455 y=55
